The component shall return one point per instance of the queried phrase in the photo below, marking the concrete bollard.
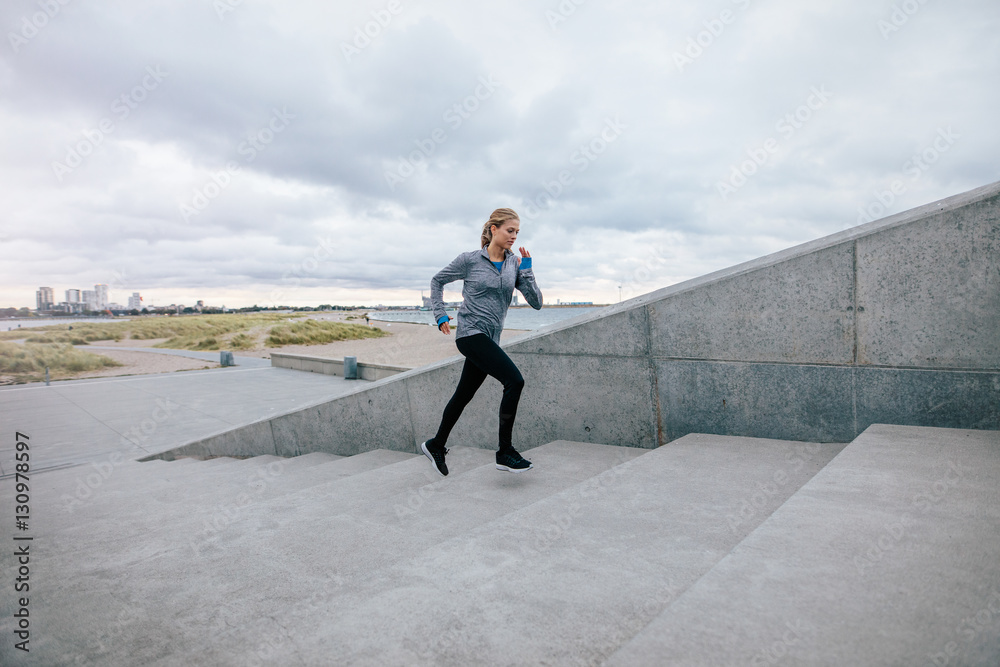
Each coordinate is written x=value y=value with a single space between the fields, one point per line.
x=350 y=368
x=226 y=358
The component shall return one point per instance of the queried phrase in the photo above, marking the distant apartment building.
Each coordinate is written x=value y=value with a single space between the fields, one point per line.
x=45 y=298
x=72 y=296
x=89 y=298
x=135 y=301
x=102 y=300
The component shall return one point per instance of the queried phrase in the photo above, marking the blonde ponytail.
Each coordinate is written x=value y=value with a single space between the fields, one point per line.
x=496 y=218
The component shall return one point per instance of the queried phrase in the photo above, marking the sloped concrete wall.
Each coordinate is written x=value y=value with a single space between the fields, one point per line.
x=896 y=321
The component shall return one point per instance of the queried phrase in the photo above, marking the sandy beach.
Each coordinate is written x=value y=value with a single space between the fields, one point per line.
x=408 y=345
x=143 y=363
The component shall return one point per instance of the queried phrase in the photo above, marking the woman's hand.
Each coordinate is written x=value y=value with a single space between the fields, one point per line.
x=444 y=328
x=524 y=253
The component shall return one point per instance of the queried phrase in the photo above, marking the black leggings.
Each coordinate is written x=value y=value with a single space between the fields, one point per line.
x=483 y=357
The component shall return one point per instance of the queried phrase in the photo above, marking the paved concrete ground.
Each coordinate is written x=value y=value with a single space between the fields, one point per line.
x=77 y=421
x=245 y=362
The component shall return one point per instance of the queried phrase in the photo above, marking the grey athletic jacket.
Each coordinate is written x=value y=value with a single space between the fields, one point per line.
x=487 y=292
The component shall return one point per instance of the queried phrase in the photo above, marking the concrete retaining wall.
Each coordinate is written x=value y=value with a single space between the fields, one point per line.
x=896 y=321
x=304 y=362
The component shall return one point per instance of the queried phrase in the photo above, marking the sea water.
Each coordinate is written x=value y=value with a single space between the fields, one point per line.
x=517 y=318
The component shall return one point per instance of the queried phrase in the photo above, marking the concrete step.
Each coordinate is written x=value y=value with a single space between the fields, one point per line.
x=277 y=553
x=92 y=480
x=888 y=556
x=137 y=498
x=319 y=457
x=184 y=460
x=166 y=520
x=195 y=520
x=218 y=460
x=563 y=580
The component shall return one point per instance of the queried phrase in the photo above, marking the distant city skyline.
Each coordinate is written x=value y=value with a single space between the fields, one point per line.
x=98 y=299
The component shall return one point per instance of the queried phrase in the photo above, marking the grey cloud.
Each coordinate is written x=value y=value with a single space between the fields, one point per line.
x=324 y=174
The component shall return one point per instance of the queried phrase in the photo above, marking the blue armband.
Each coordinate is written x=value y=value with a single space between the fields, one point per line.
x=525 y=263
x=443 y=318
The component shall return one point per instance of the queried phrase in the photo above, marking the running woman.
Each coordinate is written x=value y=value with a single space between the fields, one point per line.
x=490 y=275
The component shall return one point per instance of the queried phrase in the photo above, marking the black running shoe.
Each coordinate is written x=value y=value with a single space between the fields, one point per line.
x=511 y=461
x=436 y=455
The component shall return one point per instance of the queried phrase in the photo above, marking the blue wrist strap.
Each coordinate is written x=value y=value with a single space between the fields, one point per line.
x=443 y=318
x=525 y=263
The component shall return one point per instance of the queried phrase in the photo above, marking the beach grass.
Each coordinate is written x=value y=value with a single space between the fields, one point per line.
x=196 y=332
x=242 y=341
x=27 y=363
x=313 y=332
x=80 y=334
x=230 y=331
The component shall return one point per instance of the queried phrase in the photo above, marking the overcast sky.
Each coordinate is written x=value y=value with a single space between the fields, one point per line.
x=246 y=152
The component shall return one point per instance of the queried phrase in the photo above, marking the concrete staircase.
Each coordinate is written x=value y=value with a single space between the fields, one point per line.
x=710 y=550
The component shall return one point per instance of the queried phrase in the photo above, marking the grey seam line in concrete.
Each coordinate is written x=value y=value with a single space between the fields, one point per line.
x=101 y=421
x=854 y=294
x=39 y=471
x=935 y=369
x=126 y=378
x=409 y=408
x=654 y=382
x=854 y=401
x=274 y=438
